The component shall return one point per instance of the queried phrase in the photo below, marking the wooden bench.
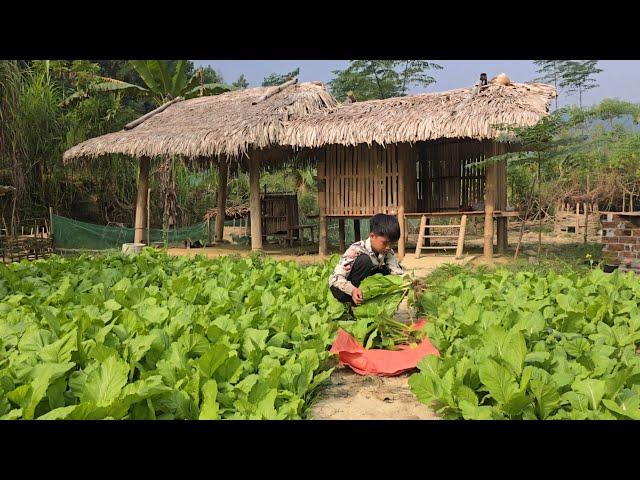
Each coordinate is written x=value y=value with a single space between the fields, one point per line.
x=301 y=229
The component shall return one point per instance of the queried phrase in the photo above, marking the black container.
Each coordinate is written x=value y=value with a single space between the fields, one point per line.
x=609 y=268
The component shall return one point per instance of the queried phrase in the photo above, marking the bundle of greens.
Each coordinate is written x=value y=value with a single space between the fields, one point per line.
x=374 y=325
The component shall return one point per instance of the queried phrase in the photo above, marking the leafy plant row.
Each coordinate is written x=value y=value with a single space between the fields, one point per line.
x=159 y=337
x=532 y=346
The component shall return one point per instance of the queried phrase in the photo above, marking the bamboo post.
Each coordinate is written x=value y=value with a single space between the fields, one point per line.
x=356 y=229
x=161 y=108
x=341 y=234
x=254 y=201
x=322 y=206
x=401 y=158
x=223 y=169
x=141 y=210
x=148 y=216
x=489 y=202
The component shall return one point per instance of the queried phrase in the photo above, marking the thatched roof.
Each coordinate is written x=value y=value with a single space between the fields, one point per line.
x=459 y=113
x=229 y=124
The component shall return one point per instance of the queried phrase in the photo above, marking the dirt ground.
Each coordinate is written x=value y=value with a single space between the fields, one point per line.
x=355 y=397
x=350 y=396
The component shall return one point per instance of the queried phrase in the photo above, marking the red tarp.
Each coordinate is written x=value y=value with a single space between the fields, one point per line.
x=377 y=361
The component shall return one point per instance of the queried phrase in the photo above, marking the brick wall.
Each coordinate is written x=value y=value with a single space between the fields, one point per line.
x=621 y=241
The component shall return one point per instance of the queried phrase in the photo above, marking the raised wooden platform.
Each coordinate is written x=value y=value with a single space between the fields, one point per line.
x=496 y=213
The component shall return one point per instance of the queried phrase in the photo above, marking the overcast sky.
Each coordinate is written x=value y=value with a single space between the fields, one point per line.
x=619 y=79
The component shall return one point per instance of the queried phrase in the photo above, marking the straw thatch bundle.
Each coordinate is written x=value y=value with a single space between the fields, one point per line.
x=222 y=125
x=460 y=113
x=230 y=213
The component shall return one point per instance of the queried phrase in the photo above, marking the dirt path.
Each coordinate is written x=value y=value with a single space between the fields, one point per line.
x=350 y=396
x=355 y=397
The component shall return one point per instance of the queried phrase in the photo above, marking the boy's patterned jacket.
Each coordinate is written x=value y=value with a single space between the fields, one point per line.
x=340 y=276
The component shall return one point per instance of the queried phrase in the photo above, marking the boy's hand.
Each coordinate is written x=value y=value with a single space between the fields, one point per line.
x=356 y=295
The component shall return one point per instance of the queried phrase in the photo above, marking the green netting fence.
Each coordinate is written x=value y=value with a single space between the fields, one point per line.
x=75 y=235
x=71 y=234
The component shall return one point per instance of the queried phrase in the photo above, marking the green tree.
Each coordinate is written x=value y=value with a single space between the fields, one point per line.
x=209 y=75
x=163 y=80
x=550 y=72
x=241 y=83
x=278 y=79
x=577 y=76
x=376 y=79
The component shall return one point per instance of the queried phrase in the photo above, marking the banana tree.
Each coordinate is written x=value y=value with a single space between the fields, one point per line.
x=164 y=80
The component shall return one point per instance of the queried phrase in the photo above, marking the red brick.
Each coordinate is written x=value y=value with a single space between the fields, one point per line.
x=619 y=232
x=627 y=240
x=636 y=232
x=628 y=255
x=614 y=247
x=609 y=224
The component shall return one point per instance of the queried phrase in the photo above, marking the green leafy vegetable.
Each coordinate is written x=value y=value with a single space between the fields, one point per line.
x=529 y=345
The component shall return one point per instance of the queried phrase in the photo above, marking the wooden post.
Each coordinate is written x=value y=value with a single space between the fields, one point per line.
x=50 y=221
x=356 y=229
x=148 y=216
x=322 y=206
x=489 y=202
x=254 y=201
x=141 y=208
x=401 y=158
x=341 y=234
x=463 y=227
x=223 y=169
x=419 y=243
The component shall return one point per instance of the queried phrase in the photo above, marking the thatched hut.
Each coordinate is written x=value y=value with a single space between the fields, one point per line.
x=414 y=155
x=404 y=156
x=243 y=126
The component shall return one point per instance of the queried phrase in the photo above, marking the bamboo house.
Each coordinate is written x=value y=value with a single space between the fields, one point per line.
x=420 y=154
x=406 y=156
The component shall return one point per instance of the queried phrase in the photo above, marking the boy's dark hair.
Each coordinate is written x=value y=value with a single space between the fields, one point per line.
x=385 y=225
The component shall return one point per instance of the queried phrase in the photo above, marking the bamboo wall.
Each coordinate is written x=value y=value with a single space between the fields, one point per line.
x=440 y=176
x=362 y=180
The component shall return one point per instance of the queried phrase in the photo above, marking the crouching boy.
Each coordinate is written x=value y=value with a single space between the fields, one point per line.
x=365 y=258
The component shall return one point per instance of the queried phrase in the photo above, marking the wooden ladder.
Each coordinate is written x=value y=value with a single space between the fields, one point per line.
x=422 y=235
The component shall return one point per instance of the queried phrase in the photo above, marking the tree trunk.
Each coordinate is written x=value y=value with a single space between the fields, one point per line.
x=141 y=199
x=524 y=219
x=254 y=202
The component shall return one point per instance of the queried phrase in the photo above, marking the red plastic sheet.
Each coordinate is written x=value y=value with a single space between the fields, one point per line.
x=377 y=361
